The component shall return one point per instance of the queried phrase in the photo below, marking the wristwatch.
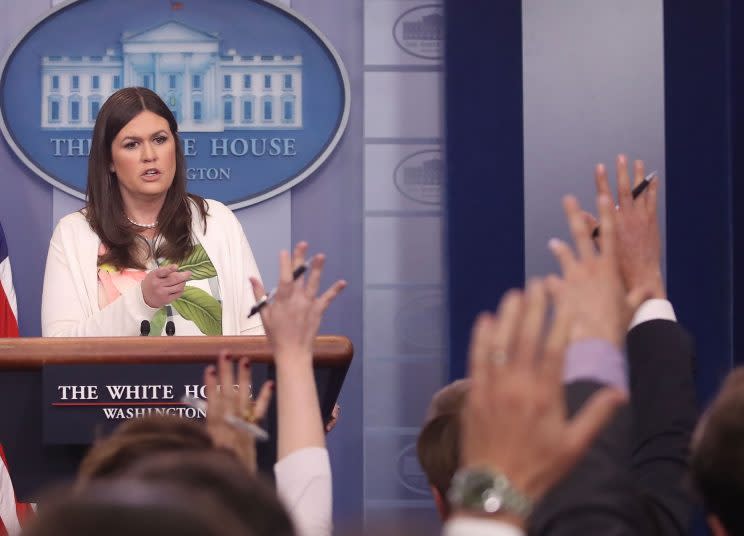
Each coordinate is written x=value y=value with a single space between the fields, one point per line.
x=487 y=491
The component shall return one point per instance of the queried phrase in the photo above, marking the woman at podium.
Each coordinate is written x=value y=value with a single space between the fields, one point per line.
x=143 y=248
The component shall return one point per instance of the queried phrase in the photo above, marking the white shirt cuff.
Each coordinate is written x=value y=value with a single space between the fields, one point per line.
x=473 y=526
x=655 y=309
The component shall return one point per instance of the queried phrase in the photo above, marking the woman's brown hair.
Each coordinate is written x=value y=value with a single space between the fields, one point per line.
x=105 y=209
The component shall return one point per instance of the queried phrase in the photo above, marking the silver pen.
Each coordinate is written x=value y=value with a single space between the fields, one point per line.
x=256 y=431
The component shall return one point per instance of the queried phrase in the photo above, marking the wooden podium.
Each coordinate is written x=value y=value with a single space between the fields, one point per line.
x=22 y=360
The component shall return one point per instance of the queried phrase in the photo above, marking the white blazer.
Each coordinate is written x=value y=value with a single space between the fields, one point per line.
x=69 y=303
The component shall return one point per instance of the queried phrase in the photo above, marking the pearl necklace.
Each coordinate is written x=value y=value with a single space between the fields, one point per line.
x=142 y=225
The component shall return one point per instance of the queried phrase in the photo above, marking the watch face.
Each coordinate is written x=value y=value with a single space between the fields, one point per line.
x=492 y=501
x=485 y=491
x=477 y=489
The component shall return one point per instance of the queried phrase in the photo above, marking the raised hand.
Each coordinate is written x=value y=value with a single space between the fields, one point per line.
x=591 y=290
x=227 y=399
x=293 y=318
x=514 y=419
x=163 y=285
x=291 y=321
x=637 y=228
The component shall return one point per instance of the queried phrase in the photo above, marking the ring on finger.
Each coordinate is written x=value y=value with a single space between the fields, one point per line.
x=249 y=414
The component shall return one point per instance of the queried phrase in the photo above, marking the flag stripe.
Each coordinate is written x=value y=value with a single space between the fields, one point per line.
x=8 y=304
x=9 y=509
x=7 y=298
x=8 y=513
x=3 y=245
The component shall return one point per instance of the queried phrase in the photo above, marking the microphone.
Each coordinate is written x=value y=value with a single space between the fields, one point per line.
x=170 y=328
x=144 y=328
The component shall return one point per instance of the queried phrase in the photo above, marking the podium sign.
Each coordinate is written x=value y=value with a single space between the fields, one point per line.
x=82 y=402
x=59 y=394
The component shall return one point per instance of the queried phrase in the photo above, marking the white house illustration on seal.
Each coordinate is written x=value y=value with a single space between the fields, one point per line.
x=207 y=89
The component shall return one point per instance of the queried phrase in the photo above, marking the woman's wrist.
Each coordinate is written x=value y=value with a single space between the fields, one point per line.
x=293 y=357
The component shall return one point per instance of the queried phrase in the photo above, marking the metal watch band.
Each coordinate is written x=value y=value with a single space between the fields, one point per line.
x=487 y=491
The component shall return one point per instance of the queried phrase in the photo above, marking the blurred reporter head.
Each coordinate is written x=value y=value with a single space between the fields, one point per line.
x=717 y=462
x=219 y=474
x=137 y=439
x=127 y=507
x=438 y=444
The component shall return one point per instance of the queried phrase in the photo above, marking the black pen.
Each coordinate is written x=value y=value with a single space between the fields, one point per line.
x=638 y=190
x=260 y=304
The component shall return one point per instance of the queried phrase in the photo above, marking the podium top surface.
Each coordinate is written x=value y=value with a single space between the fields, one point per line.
x=33 y=353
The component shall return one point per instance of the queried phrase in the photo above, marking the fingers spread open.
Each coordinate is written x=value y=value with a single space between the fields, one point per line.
x=214 y=407
x=554 y=285
x=533 y=318
x=563 y=254
x=263 y=400
x=652 y=198
x=624 y=193
x=601 y=181
x=258 y=289
x=227 y=380
x=298 y=255
x=589 y=220
x=245 y=387
x=639 y=172
x=313 y=279
x=579 y=230
x=555 y=344
x=285 y=274
x=506 y=325
x=607 y=221
x=329 y=295
x=480 y=346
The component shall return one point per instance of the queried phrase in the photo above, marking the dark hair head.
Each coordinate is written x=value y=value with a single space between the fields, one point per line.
x=139 y=438
x=124 y=508
x=220 y=474
x=449 y=399
x=438 y=444
x=105 y=210
x=438 y=449
x=717 y=463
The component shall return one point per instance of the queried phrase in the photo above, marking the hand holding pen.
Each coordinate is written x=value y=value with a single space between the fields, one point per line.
x=291 y=313
x=635 y=193
x=231 y=412
x=246 y=426
x=266 y=298
x=638 y=239
x=291 y=321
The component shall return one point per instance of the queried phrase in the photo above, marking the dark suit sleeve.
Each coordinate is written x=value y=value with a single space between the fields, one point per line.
x=598 y=496
x=661 y=360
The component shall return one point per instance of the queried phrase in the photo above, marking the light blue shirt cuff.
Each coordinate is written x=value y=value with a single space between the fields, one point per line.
x=596 y=360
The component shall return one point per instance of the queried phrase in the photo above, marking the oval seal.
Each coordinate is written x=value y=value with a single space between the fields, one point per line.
x=260 y=103
x=420 y=31
x=420 y=177
x=410 y=474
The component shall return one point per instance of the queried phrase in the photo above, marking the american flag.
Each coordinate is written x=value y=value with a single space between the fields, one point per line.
x=10 y=512
x=8 y=307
